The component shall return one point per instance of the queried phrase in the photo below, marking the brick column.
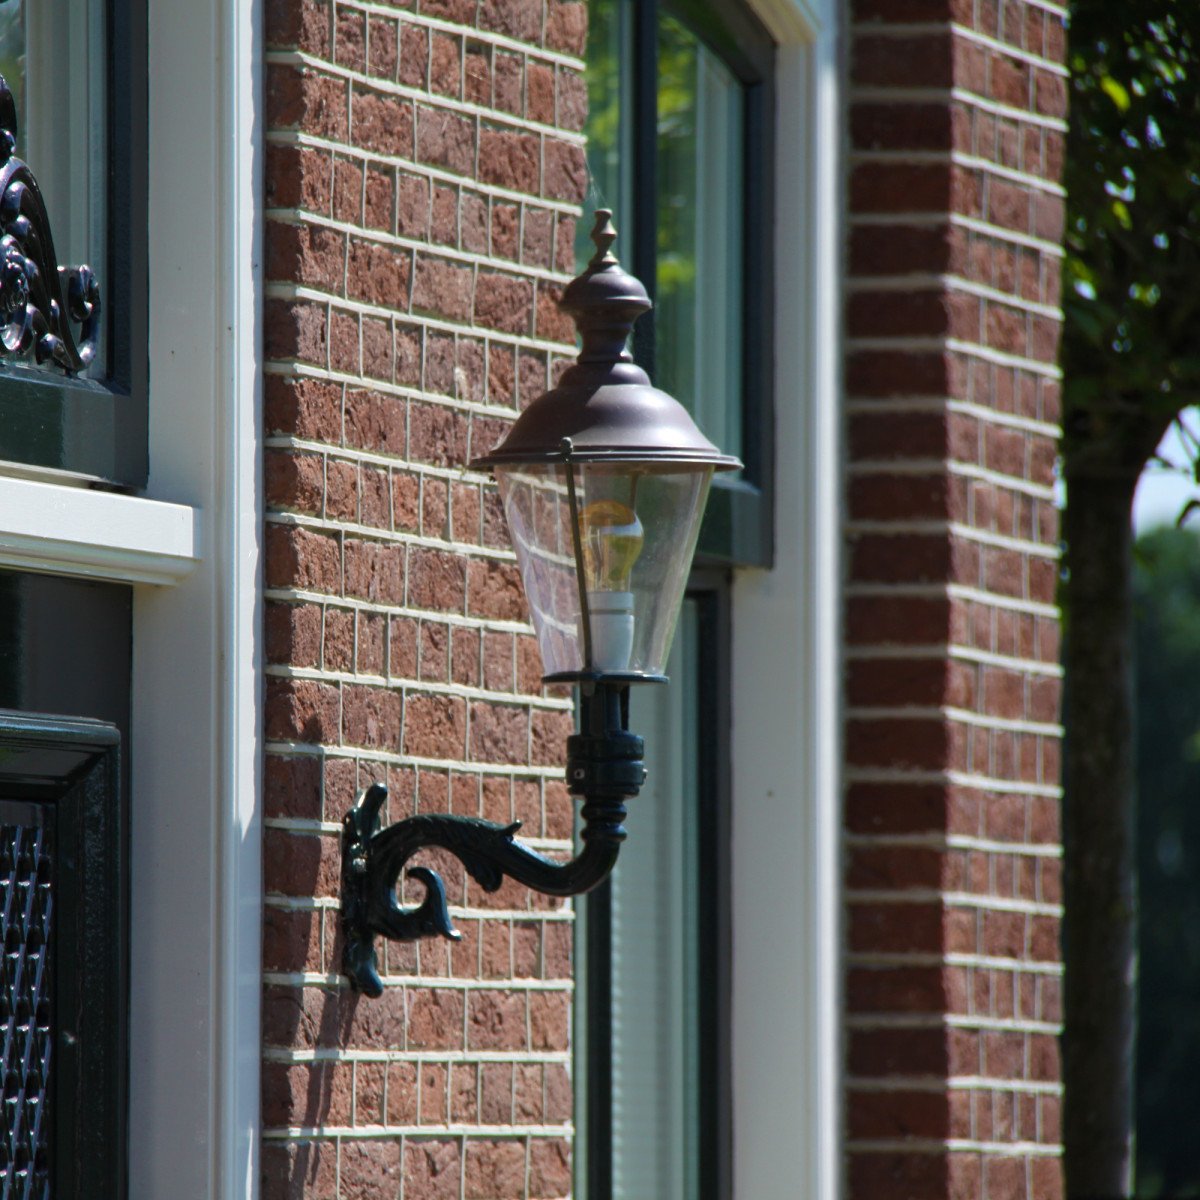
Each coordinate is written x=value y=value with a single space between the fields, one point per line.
x=953 y=985
x=424 y=170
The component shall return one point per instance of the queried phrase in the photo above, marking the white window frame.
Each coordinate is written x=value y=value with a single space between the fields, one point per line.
x=190 y=547
x=786 y=630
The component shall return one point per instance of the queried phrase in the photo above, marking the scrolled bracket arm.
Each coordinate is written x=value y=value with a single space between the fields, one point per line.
x=40 y=301
x=604 y=766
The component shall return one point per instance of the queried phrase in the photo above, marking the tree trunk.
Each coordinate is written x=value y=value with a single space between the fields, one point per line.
x=1100 y=873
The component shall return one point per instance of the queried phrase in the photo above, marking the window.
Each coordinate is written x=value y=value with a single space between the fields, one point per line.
x=679 y=135
x=679 y=144
x=81 y=129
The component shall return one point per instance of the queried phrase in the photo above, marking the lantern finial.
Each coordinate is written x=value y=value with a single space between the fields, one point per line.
x=603 y=234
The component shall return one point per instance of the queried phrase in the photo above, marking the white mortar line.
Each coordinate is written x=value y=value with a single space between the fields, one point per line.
x=941 y=650
x=931 y=281
x=985 y=901
x=428 y=687
x=962 y=716
x=981 y=783
x=427 y=99
x=956 y=841
x=934 y=526
x=972 y=224
x=304 y=218
x=898 y=94
x=294 y=137
x=499 y=40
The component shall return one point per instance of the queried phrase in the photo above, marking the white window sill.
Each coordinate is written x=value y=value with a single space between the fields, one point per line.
x=101 y=535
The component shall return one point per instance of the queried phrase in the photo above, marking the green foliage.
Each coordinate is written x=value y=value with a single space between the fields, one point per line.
x=1167 y=603
x=1130 y=351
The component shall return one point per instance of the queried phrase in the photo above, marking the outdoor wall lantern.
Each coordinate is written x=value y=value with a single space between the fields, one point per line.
x=603 y=482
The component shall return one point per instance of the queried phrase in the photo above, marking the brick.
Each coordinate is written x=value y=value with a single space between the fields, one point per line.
x=300 y=98
x=347 y=191
x=414 y=56
x=445 y=66
x=292 y=787
x=299 y=1170
x=509 y=160
x=383 y=47
x=300 y=26
x=549 y=1167
x=445 y=139
x=297 y=177
x=435 y=726
x=565 y=171
x=443 y=289
x=493 y=1169
x=435 y=580
x=504 y=302
x=374 y=571
x=375 y=421
x=371 y=717
x=378 y=275
x=435 y=1018
x=433 y=1168
x=295 y=329
x=566 y=25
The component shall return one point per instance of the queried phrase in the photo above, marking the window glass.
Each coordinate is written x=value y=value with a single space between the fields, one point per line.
x=680 y=104
x=77 y=69
x=53 y=56
x=12 y=48
x=656 y=1118
x=698 y=331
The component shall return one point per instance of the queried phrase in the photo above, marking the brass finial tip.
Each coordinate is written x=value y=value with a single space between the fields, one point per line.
x=604 y=233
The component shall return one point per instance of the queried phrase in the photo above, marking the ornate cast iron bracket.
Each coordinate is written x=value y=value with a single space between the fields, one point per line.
x=604 y=766
x=39 y=300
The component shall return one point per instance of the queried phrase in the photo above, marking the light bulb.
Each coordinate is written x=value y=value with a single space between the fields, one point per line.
x=612 y=539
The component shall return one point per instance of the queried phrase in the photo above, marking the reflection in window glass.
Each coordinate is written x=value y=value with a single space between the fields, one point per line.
x=53 y=57
x=699 y=216
x=12 y=48
x=609 y=129
x=698 y=344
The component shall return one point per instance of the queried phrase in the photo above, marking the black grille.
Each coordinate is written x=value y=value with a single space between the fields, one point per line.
x=26 y=1026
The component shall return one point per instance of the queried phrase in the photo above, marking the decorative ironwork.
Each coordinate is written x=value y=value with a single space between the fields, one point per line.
x=39 y=300
x=26 y=897
x=604 y=765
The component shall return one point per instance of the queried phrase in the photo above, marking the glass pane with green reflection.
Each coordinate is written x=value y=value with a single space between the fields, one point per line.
x=609 y=128
x=12 y=48
x=698 y=332
x=699 y=217
x=656 y=949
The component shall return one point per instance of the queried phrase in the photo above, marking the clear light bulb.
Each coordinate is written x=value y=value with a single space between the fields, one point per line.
x=612 y=540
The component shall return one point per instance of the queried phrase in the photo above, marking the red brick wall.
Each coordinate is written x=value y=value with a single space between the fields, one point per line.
x=953 y=987
x=424 y=168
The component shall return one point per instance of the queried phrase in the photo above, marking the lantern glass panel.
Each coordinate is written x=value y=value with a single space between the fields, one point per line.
x=638 y=525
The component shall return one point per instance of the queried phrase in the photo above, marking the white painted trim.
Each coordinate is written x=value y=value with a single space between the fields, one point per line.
x=196 y=885
x=786 y=811
x=73 y=531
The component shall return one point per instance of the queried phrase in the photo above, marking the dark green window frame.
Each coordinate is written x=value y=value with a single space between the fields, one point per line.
x=98 y=428
x=739 y=523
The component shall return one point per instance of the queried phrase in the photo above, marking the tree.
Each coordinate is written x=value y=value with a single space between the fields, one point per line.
x=1131 y=362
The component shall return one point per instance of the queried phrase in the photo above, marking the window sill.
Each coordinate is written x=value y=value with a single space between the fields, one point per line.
x=101 y=535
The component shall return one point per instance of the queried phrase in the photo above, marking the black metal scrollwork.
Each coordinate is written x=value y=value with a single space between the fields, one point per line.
x=604 y=765
x=39 y=300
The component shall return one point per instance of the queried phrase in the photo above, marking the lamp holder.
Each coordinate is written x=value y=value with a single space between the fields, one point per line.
x=604 y=767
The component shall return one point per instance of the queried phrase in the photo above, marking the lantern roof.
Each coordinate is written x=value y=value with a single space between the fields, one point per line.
x=605 y=408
